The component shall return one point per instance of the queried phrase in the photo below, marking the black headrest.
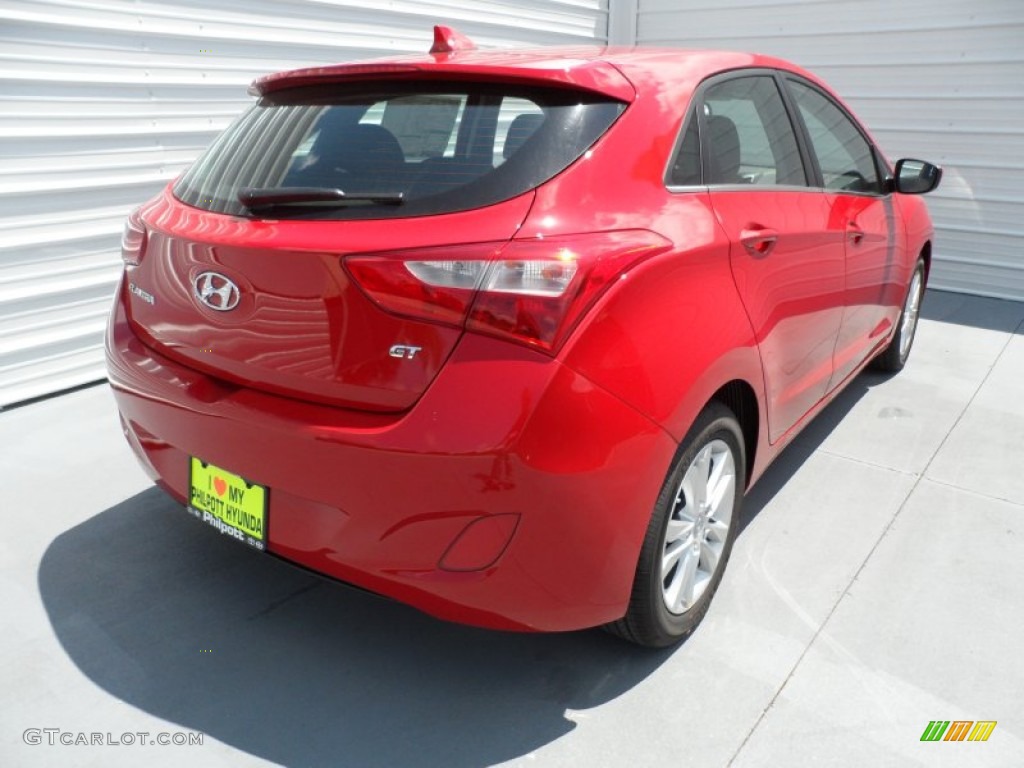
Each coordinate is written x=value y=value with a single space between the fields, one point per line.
x=725 y=150
x=359 y=146
x=522 y=128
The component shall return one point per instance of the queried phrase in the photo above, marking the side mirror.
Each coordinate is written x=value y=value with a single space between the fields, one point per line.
x=916 y=177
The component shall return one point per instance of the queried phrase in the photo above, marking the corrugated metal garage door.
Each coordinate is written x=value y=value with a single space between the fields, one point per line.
x=102 y=102
x=937 y=79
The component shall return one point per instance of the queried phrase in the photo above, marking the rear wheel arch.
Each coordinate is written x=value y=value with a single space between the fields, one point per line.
x=739 y=397
x=690 y=533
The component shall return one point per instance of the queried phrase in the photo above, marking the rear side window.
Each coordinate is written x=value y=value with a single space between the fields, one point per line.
x=750 y=137
x=393 y=150
x=685 y=171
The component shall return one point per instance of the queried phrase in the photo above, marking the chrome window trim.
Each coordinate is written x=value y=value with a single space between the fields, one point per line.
x=679 y=189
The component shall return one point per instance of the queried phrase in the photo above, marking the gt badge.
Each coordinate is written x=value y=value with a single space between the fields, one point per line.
x=404 y=351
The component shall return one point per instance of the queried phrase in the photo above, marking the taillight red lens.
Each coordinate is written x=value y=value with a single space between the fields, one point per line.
x=436 y=284
x=530 y=291
x=133 y=239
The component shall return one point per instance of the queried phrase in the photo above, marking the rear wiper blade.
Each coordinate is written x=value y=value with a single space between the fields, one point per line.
x=270 y=197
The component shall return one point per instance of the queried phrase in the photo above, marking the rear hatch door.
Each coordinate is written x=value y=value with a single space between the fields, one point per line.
x=241 y=269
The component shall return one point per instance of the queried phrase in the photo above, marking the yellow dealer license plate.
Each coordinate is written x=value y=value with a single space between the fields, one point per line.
x=229 y=503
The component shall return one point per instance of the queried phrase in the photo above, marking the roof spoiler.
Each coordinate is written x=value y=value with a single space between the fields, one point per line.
x=587 y=72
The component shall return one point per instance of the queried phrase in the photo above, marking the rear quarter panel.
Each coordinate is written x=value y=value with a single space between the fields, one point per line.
x=671 y=331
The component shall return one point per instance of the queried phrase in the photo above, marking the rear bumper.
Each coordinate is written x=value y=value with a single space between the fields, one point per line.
x=377 y=500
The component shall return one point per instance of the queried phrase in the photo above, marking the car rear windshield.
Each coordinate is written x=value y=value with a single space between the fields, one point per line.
x=382 y=150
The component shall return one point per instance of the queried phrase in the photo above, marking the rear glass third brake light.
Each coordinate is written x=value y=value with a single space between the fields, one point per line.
x=530 y=291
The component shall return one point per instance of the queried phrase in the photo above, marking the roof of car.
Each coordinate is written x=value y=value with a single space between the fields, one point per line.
x=615 y=71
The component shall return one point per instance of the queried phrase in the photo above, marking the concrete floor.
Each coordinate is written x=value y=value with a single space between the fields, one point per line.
x=877 y=584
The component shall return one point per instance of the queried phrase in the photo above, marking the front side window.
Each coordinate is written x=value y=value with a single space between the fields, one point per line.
x=844 y=155
x=382 y=150
x=749 y=134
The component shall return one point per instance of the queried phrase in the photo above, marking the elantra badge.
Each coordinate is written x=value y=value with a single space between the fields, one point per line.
x=146 y=296
x=216 y=291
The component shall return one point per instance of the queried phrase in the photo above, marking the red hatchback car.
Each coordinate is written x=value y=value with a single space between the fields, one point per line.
x=506 y=335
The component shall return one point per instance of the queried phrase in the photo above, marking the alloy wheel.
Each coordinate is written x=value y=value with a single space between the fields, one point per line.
x=698 y=526
x=911 y=311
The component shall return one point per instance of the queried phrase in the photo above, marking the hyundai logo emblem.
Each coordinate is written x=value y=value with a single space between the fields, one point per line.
x=216 y=291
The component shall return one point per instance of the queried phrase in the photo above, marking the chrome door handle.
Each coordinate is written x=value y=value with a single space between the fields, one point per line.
x=759 y=242
x=854 y=233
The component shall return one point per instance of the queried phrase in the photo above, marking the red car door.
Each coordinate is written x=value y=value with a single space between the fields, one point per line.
x=788 y=266
x=861 y=212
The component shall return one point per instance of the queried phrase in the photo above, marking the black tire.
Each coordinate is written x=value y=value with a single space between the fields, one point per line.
x=895 y=356
x=649 y=621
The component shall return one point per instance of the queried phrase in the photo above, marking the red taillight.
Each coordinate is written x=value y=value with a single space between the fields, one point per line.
x=434 y=284
x=133 y=239
x=531 y=291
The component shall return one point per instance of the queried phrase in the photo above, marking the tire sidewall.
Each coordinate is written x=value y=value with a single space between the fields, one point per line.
x=891 y=359
x=715 y=424
x=898 y=340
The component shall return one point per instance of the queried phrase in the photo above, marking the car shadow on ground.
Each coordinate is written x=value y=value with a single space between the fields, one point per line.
x=202 y=632
x=938 y=306
x=805 y=444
